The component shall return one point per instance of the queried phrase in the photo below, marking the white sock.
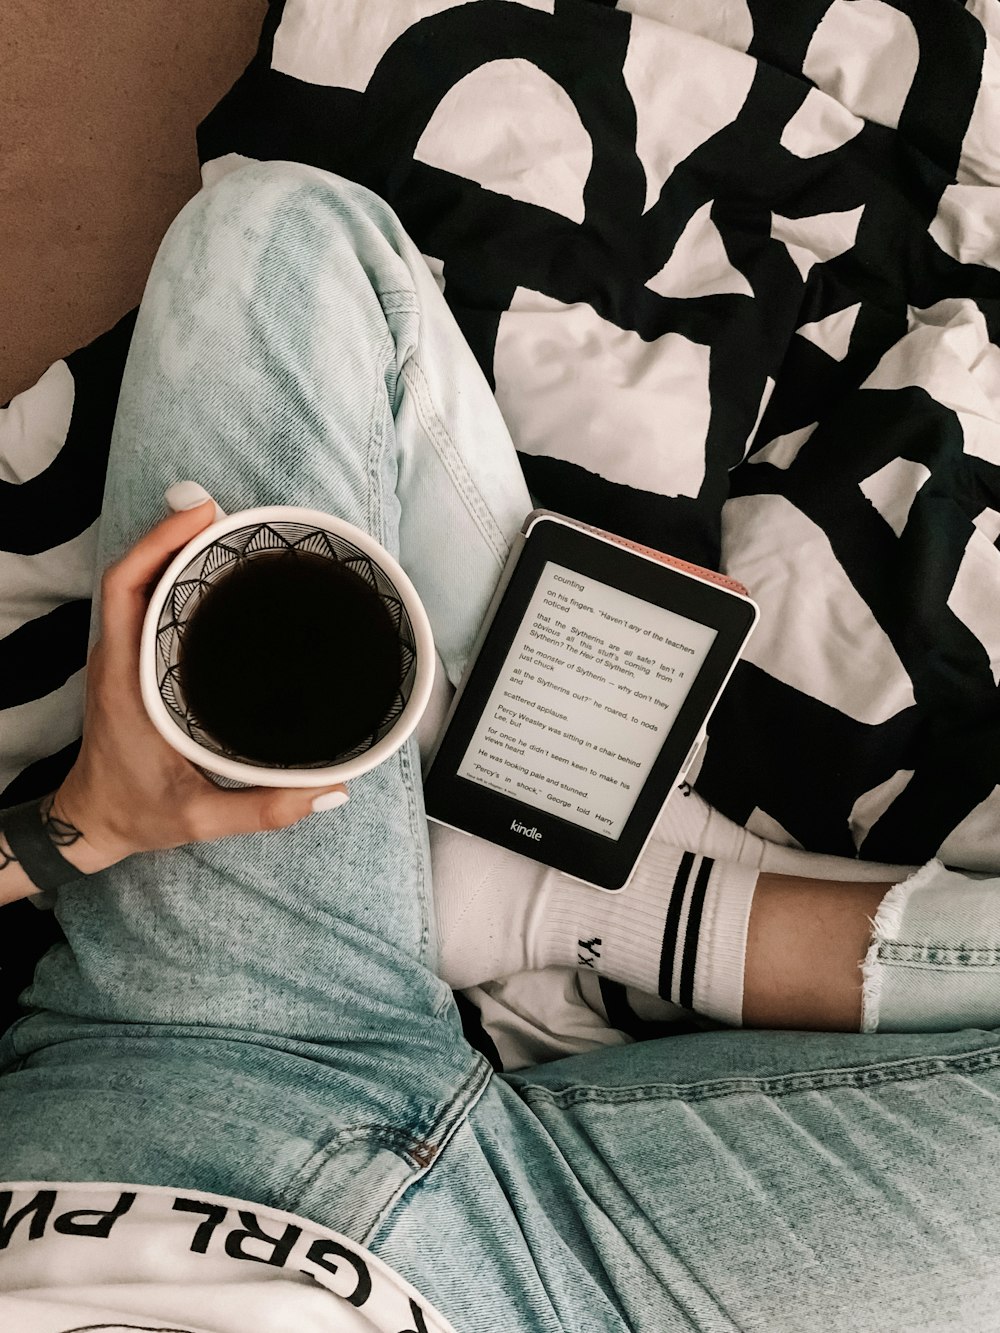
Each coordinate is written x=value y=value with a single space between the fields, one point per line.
x=484 y=899
x=689 y=821
x=678 y=930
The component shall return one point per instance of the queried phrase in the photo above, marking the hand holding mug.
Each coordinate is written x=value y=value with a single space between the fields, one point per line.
x=129 y=791
x=284 y=646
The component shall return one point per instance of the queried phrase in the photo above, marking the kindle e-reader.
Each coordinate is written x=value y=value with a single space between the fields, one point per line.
x=596 y=670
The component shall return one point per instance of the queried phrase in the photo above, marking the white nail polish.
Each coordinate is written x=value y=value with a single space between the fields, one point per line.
x=333 y=800
x=185 y=495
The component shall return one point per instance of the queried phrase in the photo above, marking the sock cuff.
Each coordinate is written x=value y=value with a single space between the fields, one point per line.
x=721 y=943
x=678 y=930
x=619 y=934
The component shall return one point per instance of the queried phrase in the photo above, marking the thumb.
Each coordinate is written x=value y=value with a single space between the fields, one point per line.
x=258 y=809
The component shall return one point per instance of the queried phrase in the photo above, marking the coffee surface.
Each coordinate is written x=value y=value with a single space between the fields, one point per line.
x=290 y=658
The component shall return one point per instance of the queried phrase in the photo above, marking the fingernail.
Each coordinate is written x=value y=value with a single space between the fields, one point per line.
x=185 y=495
x=332 y=800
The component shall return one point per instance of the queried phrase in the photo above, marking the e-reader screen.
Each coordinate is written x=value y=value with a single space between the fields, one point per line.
x=587 y=694
x=586 y=698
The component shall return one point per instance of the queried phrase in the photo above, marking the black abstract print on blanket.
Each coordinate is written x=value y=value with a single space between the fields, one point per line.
x=733 y=274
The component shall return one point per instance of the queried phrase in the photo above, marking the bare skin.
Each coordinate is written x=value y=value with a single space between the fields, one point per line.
x=806 y=942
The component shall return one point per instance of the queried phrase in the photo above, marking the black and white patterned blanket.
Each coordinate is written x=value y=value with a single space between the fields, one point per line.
x=732 y=269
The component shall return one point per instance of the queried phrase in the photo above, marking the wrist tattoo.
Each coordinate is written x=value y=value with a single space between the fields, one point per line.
x=32 y=839
x=61 y=832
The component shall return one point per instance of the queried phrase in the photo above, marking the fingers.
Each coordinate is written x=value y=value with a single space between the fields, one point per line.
x=187 y=495
x=330 y=800
x=127 y=583
x=257 y=809
x=134 y=572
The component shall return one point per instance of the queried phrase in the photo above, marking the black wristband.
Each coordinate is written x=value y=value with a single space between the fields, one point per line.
x=39 y=857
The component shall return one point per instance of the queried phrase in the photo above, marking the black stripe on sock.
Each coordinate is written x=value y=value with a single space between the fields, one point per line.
x=671 y=924
x=691 y=934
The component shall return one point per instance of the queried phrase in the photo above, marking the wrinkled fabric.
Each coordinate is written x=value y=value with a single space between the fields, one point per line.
x=259 y=1017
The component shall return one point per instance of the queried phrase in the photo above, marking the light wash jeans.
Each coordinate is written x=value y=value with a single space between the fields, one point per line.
x=260 y=1016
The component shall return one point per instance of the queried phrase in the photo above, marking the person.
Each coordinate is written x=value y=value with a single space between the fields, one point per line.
x=240 y=1095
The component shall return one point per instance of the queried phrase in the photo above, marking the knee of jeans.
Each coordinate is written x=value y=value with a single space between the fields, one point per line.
x=304 y=209
x=251 y=190
x=256 y=187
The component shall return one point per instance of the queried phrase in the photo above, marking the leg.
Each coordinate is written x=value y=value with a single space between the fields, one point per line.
x=823 y=943
x=279 y=338
x=720 y=1182
x=291 y=347
x=751 y=1180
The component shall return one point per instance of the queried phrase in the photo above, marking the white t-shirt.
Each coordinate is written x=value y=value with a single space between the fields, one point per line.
x=77 y=1257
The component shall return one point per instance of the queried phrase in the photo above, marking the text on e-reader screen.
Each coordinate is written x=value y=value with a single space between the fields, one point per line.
x=585 y=698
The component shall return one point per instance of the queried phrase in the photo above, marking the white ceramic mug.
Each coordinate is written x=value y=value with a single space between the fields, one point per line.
x=206 y=558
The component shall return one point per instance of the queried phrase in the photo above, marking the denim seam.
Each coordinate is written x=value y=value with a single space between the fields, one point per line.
x=466 y=1097
x=276 y=1043
x=451 y=459
x=377 y=444
x=400 y=300
x=417 y=823
x=416 y=1150
x=376 y=522
x=939 y=955
x=780 y=1085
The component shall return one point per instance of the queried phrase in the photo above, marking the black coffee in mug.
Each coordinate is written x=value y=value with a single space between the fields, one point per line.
x=290 y=658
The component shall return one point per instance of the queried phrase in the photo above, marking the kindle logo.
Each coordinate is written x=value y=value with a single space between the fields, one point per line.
x=517 y=827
